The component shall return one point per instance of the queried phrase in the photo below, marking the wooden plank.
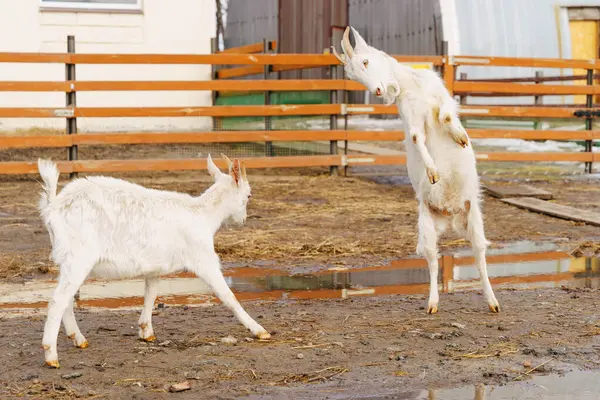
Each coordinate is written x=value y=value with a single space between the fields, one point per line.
x=479 y=111
x=210 y=59
x=219 y=85
x=482 y=88
x=90 y=139
x=30 y=167
x=34 y=58
x=211 y=111
x=224 y=59
x=525 y=62
x=250 y=48
x=8 y=86
x=533 y=134
x=275 y=110
x=555 y=210
x=36 y=112
x=534 y=156
x=512 y=191
x=24 y=142
x=519 y=112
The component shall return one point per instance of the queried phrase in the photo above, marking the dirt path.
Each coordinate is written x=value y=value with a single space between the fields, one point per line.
x=319 y=348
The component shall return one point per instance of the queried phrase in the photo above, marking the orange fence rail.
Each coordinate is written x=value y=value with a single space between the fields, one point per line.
x=251 y=59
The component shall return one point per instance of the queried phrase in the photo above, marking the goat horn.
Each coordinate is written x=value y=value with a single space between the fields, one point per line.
x=229 y=162
x=346 y=46
x=338 y=56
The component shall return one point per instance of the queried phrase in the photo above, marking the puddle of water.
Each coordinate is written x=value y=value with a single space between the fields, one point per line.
x=542 y=268
x=578 y=385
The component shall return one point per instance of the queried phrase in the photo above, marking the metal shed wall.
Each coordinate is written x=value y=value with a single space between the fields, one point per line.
x=305 y=26
x=250 y=21
x=515 y=28
x=408 y=27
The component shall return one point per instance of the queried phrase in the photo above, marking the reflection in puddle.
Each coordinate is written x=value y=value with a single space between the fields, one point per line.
x=580 y=385
x=542 y=268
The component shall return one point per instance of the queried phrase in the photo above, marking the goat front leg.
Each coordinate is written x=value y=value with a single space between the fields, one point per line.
x=476 y=235
x=415 y=124
x=427 y=247
x=146 y=333
x=211 y=274
x=418 y=138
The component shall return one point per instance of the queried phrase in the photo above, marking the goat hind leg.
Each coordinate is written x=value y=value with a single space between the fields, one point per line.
x=64 y=292
x=427 y=247
x=146 y=333
x=71 y=327
x=212 y=275
x=476 y=235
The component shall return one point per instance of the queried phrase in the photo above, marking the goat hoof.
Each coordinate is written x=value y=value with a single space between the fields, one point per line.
x=53 y=364
x=495 y=308
x=263 y=335
x=432 y=310
x=433 y=176
x=83 y=345
x=149 y=339
x=462 y=140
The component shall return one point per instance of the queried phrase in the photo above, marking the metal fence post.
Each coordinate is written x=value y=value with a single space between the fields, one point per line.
x=538 y=100
x=589 y=103
x=463 y=98
x=346 y=96
x=71 y=101
x=268 y=145
x=333 y=122
x=213 y=73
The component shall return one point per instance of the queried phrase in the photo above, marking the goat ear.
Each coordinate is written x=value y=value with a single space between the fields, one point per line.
x=235 y=172
x=359 y=42
x=213 y=170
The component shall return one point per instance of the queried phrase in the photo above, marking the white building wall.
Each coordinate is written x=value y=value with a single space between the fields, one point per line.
x=162 y=27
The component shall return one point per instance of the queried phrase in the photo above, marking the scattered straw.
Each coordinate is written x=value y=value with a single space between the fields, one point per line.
x=526 y=373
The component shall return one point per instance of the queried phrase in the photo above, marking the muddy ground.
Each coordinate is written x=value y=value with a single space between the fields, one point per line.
x=300 y=220
x=320 y=349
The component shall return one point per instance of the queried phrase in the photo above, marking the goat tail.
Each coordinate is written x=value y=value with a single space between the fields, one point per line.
x=49 y=173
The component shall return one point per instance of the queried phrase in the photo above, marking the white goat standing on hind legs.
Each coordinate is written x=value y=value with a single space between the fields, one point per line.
x=442 y=173
x=111 y=228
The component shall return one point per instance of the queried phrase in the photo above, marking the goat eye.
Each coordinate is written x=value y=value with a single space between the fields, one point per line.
x=365 y=63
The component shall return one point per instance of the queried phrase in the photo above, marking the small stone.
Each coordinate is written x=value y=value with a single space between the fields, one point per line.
x=73 y=375
x=457 y=325
x=185 y=308
x=180 y=387
x=300 y=356
x=249 y=339
x=229 y=340
x=391 y=357
x=165 y=343
x=502 y=328
x=527 y=364
x=35 y=381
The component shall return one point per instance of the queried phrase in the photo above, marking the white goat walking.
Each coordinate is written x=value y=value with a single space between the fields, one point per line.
x=443 y=175
x=111 y=228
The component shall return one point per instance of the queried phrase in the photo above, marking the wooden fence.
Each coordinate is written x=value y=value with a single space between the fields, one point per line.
x=252 y=61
